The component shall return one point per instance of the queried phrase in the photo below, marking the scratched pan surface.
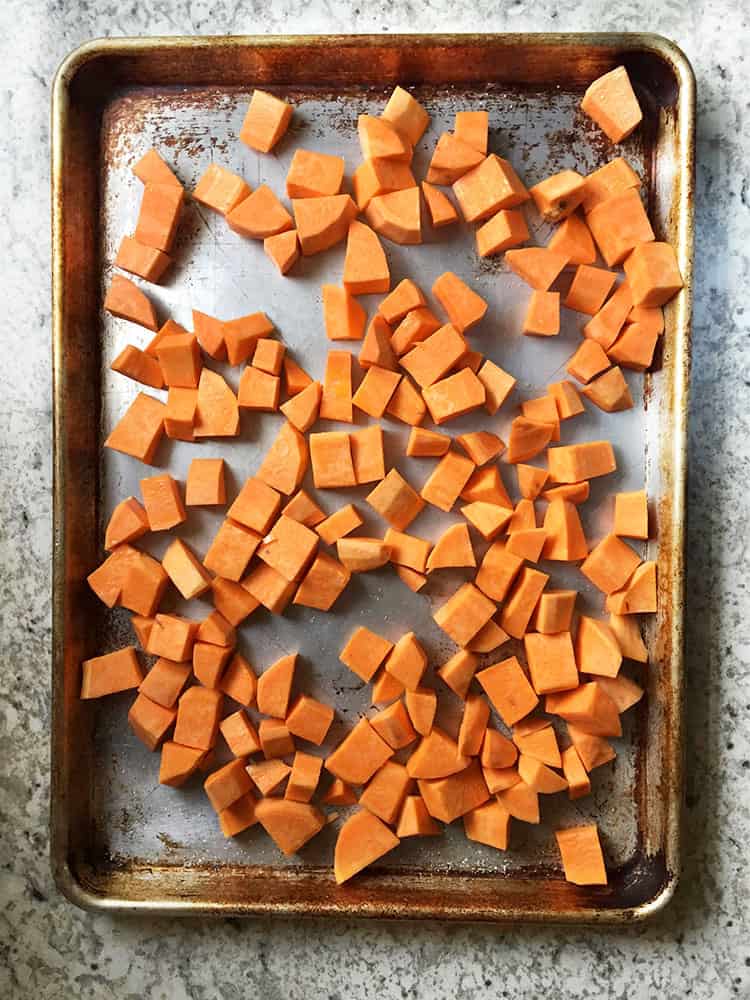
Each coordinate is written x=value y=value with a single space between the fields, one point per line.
x=120 y=838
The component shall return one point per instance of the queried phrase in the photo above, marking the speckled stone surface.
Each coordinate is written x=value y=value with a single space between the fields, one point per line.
x=700 y=946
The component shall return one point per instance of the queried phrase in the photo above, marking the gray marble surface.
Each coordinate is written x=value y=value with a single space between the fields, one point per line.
x=700 y=946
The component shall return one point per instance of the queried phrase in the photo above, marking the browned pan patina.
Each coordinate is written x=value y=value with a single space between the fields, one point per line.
x=121 y=842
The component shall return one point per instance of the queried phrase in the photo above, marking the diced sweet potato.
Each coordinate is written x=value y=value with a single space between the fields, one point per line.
x=610 y=392
x=150 y=722
x=575 y=462
x=440 y=207
x=421 y=704
x=406 y=403
x=395 y=500
x=415 y=327
x=266 y=121
x=538 y=266
x=452 y=549
x=379 y=176
x=304 y=778
x=397 y=216
x=289 y=824
x=139 y=430
x=522 y=601
x=128 y=522
x=638 y=595
x=360 y=554
x=490 y=186
x=464 y=307
x=611 y=179
x=619 y=224
x=239 y=681
x=498 y=385
x=506 y=229
x=404 y=298
x=455 y=395
x=289 y=548
x=159 y=215
x=323 y=584
x=339 y=794
x=414 y=820
x=220 y=189
x=448 y=798
x=359 y=755
x=178 y=763
x=314 y=175
x=379 y=139
x=406 y=115
x=573 y=239
x=362 y=840
x=231 y=550
x=376 y=347
x=183 y=568
x=611 y=102
x=111 y=673
x=558 y=196
x=581 y=853
x=451 y=159
x=364 y=652
x=610 y=564
x=375 y=390
x=269 y=588
x=488 y=824
x=367 y=454
x=458 y=671
x=286 y=461
x=365 y=266
x=589 y=708
x=448 y=479
x=269 y=775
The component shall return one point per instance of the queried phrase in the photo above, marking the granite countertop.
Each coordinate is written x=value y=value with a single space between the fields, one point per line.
x=700 y=946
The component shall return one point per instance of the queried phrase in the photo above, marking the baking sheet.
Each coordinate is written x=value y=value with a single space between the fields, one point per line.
x=134 y=822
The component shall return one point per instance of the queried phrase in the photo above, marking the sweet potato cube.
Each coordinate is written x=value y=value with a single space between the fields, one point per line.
x=464 y=307
x=406 y=403
x=309 y=719
x=266 y=121
x=439 y=206
x=178 y=763
x=458 y=671
x=597 y=650
x=275 y=685
x=161 y=205
x=139 y=430
x=220 y=189
x=126 y=300
x=323 y=584
x=610 y=564
x=240 y=734
x=464 y=614
x=447 y=480
x=581 y=853
x=395 y=500
x=490 y=186
x=375 y=390
x=406 y=115
x=362 y=840
x=205 y=483
x=184 y=569
x=558 y=196
x=364 y=652
x=231 y=550
x=359 y=755
x=322 y=222
x=397 y=216
x=367 y=454
x=198 y=714
x=111 y=673
x=331 y=458
x=522 y=600
x=239 y=681
x=407 y=661
x=304 y=777
x=611 y=102
x=286 y=461
x=289 y=548
x=150 y=722
x=618 y=225
x=394 y=725
x=365 y=266
x=451 y=159
x=314 y=175
x=503 y=231
x=289 y=824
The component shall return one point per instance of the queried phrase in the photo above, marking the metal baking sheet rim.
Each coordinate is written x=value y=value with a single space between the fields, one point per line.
x=71 y=878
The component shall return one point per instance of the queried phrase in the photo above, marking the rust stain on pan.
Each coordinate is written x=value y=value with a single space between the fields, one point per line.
x=106 y=85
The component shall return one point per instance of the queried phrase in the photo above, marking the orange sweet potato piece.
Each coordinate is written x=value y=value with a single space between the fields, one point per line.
x=464 y=614
x=509 y=690
x=198 y=714
x=589 y=360
x=473 y=725
x=575 y=774
x=566 y=398
x=303 y=508
x=151 y=169
x=527 y=543
x=448 y=479
x=623 y=692
x=240 y=735
x=269 y=588
x=241 y=335
x=180 y=360
x=331 y=458
x=216 y=413
x=394 y=725
x=427 y=444
x=289 y=548
x=610 y=564
x=414 y=820
x=619 y=224
x=322 y=222
x=269 y=775
x=141 y=367
x=421 y=704
x=464 y=307
x=367 y=454
x=239 y=681
x=406 y=115
x=573 y=239
x=159 y=215
x=375 y=390
x=178 y=763
x=574 y=463
x=162 y=502
x=205 y=483
x=554 y=612
x=542 y=318
x=379 y=176
x=397 y=216
x=451 y=159
x=137 y=258
x=309 y=719
x=611 y=102
x=336 y=401
x=360 y=554
x=498 y=571
x=458 y=671
x=376 y=348
x=634 y=348
x=364 y=652
x=128 y=522
x=604 y=327
x=289 y=824
x=488 y=519
x=215 y=629
x=395 y=500
x=172 y=637
x=239 y=816
x=433 y=357
x=551 y=662
x=268 y=355
x=596 y=648
x=404 y=298
x=359 y=755
x=455 y=395
x=637 y=595
x=506 y=229
x=323 y=583
x=365 y=265
x=472 y=127
x=539 y=777
x=436 y=756
x=260 y=215
x=342 y=522
x=497 y=751
x=440 y=207
x=139 y=430
x=521 y=801
x=150 y=722
x=565 y=540
x=558 y=196
x=339 y=794
x=275 y=738
x=231 y=550
x=386 y=792
x=343 y=316
x=631 y=515
x=453 y=548
x=653 y=274
x=266 y=121
x=140 y=582
x=610 y=391
x=523 y=516
x=304 y=777
x=589 y=708
x=256 y=506
x=415 y=327
x=314 y=175
x=183 y=568
x=628 y=636
x=488 y=824
x=589 y=289
x=220 y=189
x=379 y=139
x=594 y=751
x=498 y=385
x=283 y=249
x=111 y=673
x=521 y=602
x=125 y=300
x=527 y=438
x=413 y=580
x=581 y=851
x=275 y=685
x=538 y=266
x=362 y=840
x=605 y=182
x=490 y=186
x=448 y=798
x=530 y=480
x=286 y=461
